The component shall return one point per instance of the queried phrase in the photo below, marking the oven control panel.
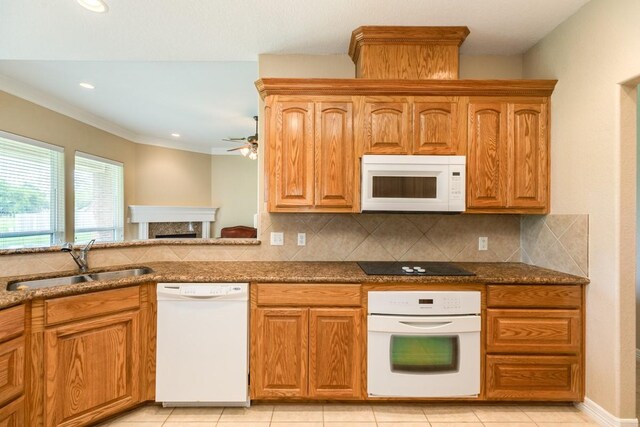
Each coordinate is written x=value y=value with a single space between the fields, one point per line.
x=424 y=303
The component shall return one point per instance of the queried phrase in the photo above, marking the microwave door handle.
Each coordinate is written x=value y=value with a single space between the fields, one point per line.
x=426 y=325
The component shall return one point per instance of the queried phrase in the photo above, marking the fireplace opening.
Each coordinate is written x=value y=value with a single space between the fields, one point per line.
x=176 y=236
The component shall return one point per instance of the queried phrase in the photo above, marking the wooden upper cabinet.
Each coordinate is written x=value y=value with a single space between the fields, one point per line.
x=334 y=154
x=438 y=126
x=387 y=125
x=508 y=155
x=291 y=155
x=487 y=155
x=280 y=352
x=528 y=155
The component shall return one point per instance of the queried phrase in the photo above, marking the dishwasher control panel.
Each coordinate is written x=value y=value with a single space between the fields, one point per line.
x=203 y=290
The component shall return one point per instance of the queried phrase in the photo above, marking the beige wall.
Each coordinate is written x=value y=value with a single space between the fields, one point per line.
x=152 y=175
x=591 y=54
x=234 y=191
x=491 y=67
x=172 y=177
x=25 y=118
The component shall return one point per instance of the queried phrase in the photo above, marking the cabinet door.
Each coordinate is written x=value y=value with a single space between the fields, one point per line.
x=280 y=352
x=12 y=415
x=438 y=127
x=12 y=369
x=528 y=156
x=334 y=353
x=92 y=369
x=291 y=155
x=533 y=378
x=487 y=155
x=387 y=125
x=334 y=155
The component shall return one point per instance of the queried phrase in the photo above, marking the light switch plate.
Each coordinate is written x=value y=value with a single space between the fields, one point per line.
x=277 y=238
x=302 y=239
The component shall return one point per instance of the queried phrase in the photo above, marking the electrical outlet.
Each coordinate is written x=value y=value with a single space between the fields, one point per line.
x=277 y=239
x=302 y=239
x=483 y=243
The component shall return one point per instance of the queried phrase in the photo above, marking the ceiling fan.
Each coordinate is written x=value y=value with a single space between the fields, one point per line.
x=250 y=148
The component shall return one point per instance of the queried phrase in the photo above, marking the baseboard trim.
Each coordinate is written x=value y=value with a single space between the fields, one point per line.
x=604 y=417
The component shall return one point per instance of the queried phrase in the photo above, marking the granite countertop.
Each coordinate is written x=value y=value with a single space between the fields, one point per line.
x=286 y=272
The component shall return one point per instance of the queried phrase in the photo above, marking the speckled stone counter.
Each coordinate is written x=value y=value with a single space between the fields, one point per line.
x=287 y=272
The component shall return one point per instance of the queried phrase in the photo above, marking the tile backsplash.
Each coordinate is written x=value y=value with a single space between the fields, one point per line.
x=559 y=242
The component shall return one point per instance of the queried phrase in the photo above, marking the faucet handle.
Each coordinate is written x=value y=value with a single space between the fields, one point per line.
x=88 y=246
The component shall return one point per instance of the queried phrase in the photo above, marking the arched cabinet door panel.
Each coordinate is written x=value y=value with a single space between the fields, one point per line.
x=387 y=125
x=438 y=126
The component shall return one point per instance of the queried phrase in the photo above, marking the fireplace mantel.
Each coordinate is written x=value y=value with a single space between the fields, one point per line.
x=143 y=215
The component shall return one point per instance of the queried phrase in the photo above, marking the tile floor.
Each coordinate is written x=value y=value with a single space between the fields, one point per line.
x=340 y=415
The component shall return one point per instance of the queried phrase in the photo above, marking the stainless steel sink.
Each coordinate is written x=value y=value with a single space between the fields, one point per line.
x=120 y=274
x=79 y=278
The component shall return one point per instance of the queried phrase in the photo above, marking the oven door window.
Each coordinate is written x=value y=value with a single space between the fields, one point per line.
x=420 y=353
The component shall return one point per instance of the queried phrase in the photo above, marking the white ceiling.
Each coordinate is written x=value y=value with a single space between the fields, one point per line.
x=48 y=46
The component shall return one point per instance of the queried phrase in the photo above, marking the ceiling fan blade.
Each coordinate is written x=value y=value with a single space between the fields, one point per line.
x=237 y=148
x=234 y=139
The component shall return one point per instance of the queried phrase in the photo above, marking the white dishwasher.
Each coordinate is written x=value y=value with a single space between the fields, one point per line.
x=202 y=342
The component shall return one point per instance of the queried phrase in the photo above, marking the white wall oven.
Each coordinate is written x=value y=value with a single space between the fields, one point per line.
x=413 y=183
x=423 y=343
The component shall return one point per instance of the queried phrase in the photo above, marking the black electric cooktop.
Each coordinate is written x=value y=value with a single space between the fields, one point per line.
x=413 y=268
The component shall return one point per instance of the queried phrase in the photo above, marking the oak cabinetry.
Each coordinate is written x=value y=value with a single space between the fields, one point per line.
x=12 y=366
x=507 y=155
x=535 y=346
x=309 y=347
x=310 y=154
x=414 y=125
x=87 y=356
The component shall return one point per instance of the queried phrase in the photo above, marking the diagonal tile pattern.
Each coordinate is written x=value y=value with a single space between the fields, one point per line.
x=559 y=242
x=356 y=415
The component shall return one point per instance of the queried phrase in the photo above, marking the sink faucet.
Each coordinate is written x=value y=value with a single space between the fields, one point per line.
x=79 y=256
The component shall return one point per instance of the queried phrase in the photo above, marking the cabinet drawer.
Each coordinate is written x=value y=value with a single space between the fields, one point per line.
x=533 y=331
x=543 y=296
x=11 y=369
x=76 y=307
x=12 y=415
x=11 y=322
x=309 y=295
x=533 y=378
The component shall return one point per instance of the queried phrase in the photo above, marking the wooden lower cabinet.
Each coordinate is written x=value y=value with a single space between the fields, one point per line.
x=92 y=369
x=334 y=353
x=87 y=356
x=536 y=377
x=280 y=346
x=12 y=415
x=306 y=353
x=535 y=343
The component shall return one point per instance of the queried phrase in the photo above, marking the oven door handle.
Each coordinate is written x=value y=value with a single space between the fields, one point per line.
x=426 y=325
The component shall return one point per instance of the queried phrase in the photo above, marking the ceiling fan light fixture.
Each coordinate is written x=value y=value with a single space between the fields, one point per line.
x=245 y=151
x=98 y=6
x=253 y=155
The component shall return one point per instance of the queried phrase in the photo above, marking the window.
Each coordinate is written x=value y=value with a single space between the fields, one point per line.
x=31 y=192
x=99 y=202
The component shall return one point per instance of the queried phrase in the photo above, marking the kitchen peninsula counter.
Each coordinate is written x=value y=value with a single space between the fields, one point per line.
x=286 y=272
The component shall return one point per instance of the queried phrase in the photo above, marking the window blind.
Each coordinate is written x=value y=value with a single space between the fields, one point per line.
x=99 y=199
x=31 y=192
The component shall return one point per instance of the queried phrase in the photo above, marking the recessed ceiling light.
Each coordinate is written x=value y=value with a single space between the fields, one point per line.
x=87 y=85
x=175 y=135
x=98 y=6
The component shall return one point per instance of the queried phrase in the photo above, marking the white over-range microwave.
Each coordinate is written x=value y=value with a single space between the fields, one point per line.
x=413 y=183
